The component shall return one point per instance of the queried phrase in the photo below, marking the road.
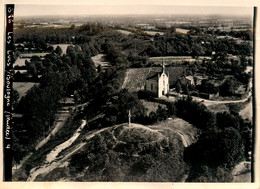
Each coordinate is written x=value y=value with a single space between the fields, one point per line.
x=206 y=101
x=246 y=112
x=59 y=125
x=49 y=166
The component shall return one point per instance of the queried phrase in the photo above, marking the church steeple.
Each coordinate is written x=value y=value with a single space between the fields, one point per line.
x=163 y=66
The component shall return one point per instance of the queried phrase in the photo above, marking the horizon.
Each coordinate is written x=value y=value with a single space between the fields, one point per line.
x=131 y=10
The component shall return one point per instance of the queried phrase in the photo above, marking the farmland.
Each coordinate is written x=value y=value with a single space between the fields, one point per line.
x=21 y=61
x=135 y=79
x=154 y=32
x=126 y=32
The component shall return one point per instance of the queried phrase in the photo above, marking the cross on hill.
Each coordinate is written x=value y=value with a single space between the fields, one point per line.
x=129 y=118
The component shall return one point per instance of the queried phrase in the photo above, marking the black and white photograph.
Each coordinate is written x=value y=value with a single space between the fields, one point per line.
x=130 y=93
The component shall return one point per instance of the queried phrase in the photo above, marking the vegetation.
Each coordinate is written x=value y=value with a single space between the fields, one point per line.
x=123 y=158
x=225 y=137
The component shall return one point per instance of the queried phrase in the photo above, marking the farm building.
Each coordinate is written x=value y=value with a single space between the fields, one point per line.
x=188 y=80
x=157 y=83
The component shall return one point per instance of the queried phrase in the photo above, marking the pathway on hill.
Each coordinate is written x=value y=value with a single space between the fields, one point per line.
x=55 y=152
x=16 y=167
x=52 y=164
x=58 y=125
x=187 y=132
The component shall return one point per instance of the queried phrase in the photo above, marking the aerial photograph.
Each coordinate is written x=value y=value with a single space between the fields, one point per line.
x=137 y=93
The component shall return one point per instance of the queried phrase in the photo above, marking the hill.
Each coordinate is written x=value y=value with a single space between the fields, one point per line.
x=134 y=153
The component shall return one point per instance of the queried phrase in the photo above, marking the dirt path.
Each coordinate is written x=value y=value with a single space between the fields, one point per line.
x=47 y=167
x=58 y=125
x=126 y=79
x=54 y=153
x=184 y=141
x=21 y=163
x=246 y=112
x=208 y=102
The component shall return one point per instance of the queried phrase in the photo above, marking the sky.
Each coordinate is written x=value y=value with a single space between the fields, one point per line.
x=43 y=10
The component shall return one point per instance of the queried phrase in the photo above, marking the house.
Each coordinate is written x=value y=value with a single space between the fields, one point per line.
x=67 y=101
x=157 y=83
x=187 y=80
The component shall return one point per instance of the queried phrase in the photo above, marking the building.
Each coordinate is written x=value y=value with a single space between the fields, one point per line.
x=157 y=83
x=187 y=80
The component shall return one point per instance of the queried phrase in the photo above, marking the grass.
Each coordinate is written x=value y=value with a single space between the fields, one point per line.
x=99 y=60
x=151 y=106
x=21 y=61
x=138 y=134
x=216 y=108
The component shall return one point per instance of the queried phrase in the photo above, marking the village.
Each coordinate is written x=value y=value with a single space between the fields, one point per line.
x=78 y=88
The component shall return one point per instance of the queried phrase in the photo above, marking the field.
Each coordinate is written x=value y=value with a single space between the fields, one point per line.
x=152 y=106
x=183 y=31
x=23 y=87
x=135 y=79
x=124 y=32
x=62 y=46
x=99 y=60
x=21 y=61
x=153 y=32
x=247 y=111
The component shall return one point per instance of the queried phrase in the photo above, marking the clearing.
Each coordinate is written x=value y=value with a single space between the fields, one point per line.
x=151 y=106
x=21 y=61
x=247 y=111
x=23 y=87
x=99 y=60
x=62 y=46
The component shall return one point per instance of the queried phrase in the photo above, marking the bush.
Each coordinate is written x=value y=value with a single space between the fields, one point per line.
x=195 y=113
x=216 y=148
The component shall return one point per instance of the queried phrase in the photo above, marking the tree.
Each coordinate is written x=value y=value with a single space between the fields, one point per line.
x=216 y=148
x=225 y=120
x=58 y=51
x=228 y=87
x=171 y=108
x=121 y=103
x=15 y=98
x=208 y=87
x=178 y=87
x=161 y=113
x=72 y=27
x=195 y=113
